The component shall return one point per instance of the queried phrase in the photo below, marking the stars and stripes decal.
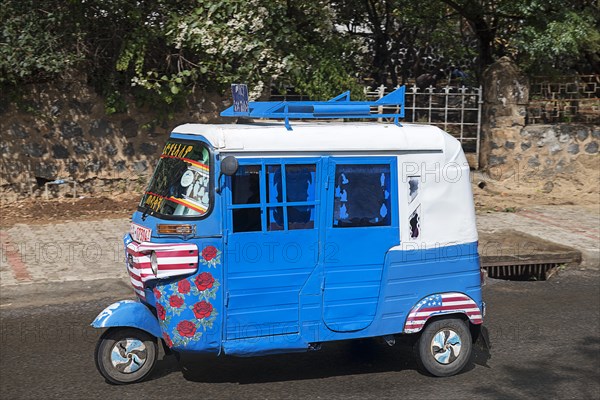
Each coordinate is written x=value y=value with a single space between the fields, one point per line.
x=172 y=258
x=437 y=304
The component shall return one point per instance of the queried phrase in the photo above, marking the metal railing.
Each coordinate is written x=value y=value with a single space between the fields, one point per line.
x=456 y=110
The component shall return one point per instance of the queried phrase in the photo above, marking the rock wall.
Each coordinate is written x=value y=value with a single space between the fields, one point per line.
x=61 y=131
x=533 y=157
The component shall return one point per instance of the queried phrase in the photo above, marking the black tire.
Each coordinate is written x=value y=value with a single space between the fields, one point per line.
x=448 y=353
x=137 y=350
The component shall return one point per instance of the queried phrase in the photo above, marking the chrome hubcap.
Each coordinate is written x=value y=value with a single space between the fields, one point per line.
x=445 y=346
x=128 y=355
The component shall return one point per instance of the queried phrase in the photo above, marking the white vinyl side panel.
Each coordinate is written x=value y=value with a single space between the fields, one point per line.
x=444 y=202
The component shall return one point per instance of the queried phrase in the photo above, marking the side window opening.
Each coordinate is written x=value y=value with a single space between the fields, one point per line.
x=414 y=206
x=300 y=188
x=362 y=195
x=414 y=223
x=246 y=187
x=290 y=197
x=246 y=191
x=413 y=188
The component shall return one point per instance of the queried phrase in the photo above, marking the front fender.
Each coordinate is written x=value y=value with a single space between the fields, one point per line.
x=128 y=313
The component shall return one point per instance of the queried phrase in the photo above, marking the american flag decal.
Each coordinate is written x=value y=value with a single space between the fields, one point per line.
x=173 y=259
x=437 y=304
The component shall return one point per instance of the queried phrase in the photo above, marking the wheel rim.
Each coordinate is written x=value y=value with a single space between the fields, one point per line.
x=446 y=346
x=128 y=355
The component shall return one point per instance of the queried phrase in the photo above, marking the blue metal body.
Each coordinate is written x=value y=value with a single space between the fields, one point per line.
x=271 y=291
x=128 y=313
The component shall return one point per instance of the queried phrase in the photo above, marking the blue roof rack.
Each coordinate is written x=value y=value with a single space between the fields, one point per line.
x=338 y=107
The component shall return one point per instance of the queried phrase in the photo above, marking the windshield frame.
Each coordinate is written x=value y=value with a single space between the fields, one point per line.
x=146 y=210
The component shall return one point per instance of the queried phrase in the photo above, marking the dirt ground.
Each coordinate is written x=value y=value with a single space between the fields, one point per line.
x=489 y=194
x=38 y=211
x=512 y=194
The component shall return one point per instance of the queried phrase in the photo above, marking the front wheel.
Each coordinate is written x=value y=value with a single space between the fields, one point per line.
x=126 y=355
x=444 y=347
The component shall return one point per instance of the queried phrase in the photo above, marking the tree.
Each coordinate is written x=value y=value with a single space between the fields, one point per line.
x=535 y=32
x=32 y=40
x=257 y=42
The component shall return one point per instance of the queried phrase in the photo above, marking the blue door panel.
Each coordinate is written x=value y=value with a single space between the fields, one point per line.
x=427 y=272
x=354 y=265
x=350 y=293
x=256 y=283
x=339 y=276
x=263 y=298
x=412 y=275
x=267 y=269
x=272 y=251
x=352 y=309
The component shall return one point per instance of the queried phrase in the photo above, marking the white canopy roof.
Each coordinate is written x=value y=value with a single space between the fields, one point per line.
x=323 y=137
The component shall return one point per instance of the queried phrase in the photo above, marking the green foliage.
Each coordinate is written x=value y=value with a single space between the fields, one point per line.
x=159 y=51
x=259 y=42
x=115 y=103
x=541 y=35
x=32 y=38
x=557 y=36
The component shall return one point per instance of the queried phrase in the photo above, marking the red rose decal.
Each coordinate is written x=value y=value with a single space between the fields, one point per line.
x=204 y=281
x=156 y=293
x=168 y=340
x=175 y=301
x=160 y=312
x=183 y=287
x=202 y=309
x=209 y=252
x=186 y=328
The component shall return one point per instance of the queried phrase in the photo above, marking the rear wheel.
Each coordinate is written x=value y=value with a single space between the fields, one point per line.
x=126 y=355
x=444 y=347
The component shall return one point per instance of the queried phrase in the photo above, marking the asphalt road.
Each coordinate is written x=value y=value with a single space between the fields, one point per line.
x=545 y=337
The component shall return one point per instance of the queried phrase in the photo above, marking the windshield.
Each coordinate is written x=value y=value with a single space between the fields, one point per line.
x=180 y=184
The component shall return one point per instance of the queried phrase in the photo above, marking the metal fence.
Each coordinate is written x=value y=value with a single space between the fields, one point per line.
x=557 y=99
x=457 y=110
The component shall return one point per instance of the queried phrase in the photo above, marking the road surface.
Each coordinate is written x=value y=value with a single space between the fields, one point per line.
x=545 y=337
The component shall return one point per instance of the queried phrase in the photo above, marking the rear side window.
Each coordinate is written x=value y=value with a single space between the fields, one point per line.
x=362 y=195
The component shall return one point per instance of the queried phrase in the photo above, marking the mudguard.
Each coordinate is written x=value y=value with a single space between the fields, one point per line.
x=128 y=313
x=442 y=304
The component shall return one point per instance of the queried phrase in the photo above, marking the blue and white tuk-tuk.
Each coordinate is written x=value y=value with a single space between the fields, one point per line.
x=262 y=238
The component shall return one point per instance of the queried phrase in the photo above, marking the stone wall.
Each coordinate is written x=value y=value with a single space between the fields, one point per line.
x=61 y=130
x=541 y=155
x=532 y=156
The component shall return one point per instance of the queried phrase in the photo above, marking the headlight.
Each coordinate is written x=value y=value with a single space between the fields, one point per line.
x=154 y=263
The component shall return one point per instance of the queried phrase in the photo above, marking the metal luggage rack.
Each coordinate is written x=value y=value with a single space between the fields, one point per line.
x=339 y=107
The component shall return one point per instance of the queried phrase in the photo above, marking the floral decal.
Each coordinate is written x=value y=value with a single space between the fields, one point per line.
x=168 y=340
x=161 y=313
x=176 y=301
x=202 y=309
x=211 y=256
x=184 y=286
x=205 y=286
x=183 y=308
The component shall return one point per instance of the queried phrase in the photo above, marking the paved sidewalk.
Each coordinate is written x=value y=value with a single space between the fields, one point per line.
x=70 y=251
x=93 y=250
x=571 y=226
